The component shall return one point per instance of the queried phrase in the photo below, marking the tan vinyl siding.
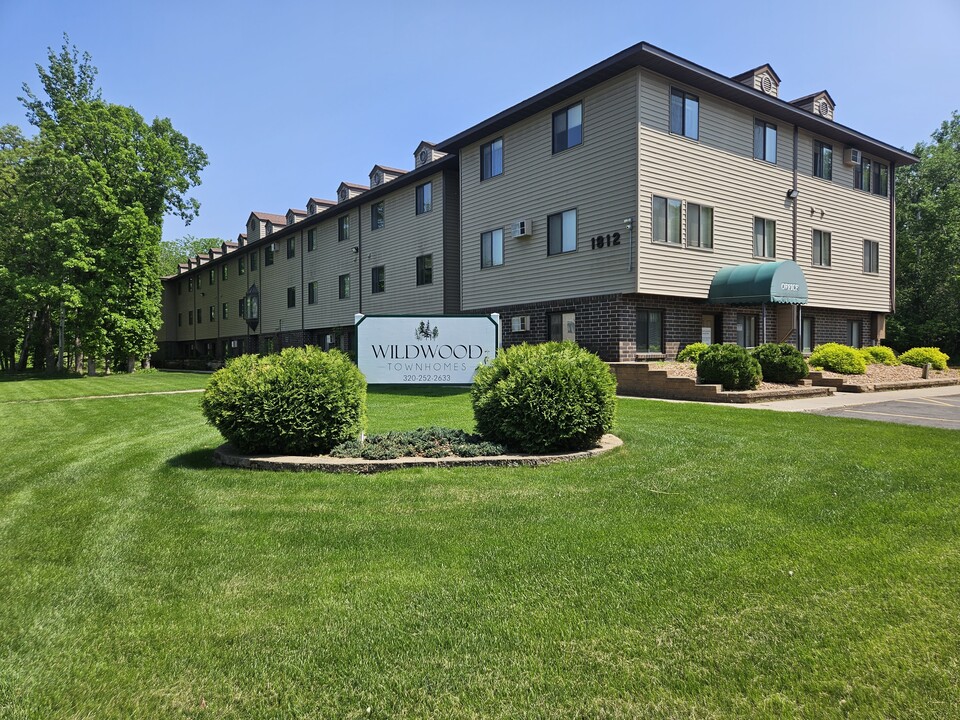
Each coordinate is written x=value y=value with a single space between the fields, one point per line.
x=719 y=170
x=404 y=236
x=598 y=178
x=230 y=291
x=275 y=317
x=324 y=266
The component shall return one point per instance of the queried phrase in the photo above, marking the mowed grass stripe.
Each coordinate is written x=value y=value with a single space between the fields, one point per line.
x=651 y=582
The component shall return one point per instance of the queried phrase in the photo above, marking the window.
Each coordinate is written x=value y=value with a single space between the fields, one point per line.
x=253 y=260
x=807 y=342
x=180 y=319
x=854 y=333
x=424 y=198
x=821 y=248
x=213 y=277
x=562 y=232
x=311 y=240
x=649 y=331
x=190 y=317
x=190 y=285
x=213 y=313
x=747 y=330
x=291 y=247
x=666 y=220
x=562 y=326
x=312 y=293
x=344 y=286
x=871 y=256
x=378 y=279
x=699 y=226
x=200 y=281
x=684 y=114
x=764 y=238
x=199 y=316
x=425 y=270
x=223 y=272
x=268 y=254
x=491 y=159
x=241 y=269
x=343 y=228
x=241 y=308
x=880 y=179
x=862 y=174
x=764 y=141
x=224 y=311
x=568 y=127
x=491 y=248
x=291 y=297
x=376 y=216
x=822 y=160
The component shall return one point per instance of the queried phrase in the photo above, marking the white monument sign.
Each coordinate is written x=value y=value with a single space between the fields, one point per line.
x=422 y=349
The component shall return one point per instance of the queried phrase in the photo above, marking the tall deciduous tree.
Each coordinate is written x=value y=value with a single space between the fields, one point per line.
x=91 y=195
x=174 y=252
x=928 y=245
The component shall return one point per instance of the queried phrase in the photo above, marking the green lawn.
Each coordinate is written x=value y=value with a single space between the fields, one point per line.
x=725 y=562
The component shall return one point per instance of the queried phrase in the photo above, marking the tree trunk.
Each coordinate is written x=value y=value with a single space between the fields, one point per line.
x=145 y=362
x=106 y=365
x=25 y=350
x=131 y=364
x=91 y=367
x=49 y=346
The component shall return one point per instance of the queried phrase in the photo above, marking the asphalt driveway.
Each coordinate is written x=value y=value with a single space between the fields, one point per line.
x=941 y=412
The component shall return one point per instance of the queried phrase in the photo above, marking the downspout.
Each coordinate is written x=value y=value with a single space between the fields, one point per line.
x=893 y=238
x=303 y=296
x=360 y=259
x=798 y=317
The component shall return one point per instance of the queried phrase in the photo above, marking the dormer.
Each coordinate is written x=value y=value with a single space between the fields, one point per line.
x=762 y=78
x=426 y=152
x=294 y=216
x=261 y=224
x=241 y=239
x=253 y=228
x=346 y=191
x=183 y=267
x=382 y=174
x=318 y=205
x=819 y=103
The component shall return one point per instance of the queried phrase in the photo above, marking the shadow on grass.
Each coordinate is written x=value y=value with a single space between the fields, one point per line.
x=195 y=460
x=419 y=390
x=18 y=376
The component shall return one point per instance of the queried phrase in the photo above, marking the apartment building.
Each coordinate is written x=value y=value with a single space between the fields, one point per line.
x=636 y=207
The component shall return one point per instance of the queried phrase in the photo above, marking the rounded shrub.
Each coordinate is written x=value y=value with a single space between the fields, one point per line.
x=781 y=362
x=301 y=402
x=879 y=355
x=920 y=356
x=692 y=352
x=731 y=366
x=544 y=398
x=838 y=358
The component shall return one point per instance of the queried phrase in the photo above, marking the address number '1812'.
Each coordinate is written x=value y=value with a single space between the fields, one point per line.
x=602 y=241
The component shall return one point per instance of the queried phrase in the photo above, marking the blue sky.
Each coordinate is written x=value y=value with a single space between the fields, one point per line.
x=290 y=98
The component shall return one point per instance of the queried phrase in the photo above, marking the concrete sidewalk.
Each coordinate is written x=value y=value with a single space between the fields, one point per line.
x=845 y=399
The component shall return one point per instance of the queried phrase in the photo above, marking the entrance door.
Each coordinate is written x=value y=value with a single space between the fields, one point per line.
x=710 y=329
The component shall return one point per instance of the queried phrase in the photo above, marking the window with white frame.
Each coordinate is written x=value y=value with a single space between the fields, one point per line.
x=764 y=238
x=684 y=114
x=666 y=220
x=491 y=159
x=562 y=232
x=764 y=141
x=821 y=248
x=871 y=256
x=491 y=248
x=699 y=226
x=567 y=127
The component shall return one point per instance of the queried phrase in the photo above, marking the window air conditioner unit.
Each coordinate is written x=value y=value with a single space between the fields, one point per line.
x=520 y=323
x=852 y=156
x=273 y=247
x=522 y=228
x=233 y=343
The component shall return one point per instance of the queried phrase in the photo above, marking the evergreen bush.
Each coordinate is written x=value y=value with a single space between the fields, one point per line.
x=433 y=442
x=301 y=402
x=692 y=352
x=920 y=356
x=838 y=358
x=731 y=366
x=879 y=355
x=781 y=362
x=544 y=398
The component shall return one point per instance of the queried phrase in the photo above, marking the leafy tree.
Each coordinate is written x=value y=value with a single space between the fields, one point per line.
x=928 y=245
x=174 y=252
x=90 y=198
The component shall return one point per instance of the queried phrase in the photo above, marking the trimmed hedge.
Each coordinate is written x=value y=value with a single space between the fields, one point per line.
x=838 y=358
x=731 y=366
x=544 y=398
x=920 y=356
x=781 y=362
x=879 y=355
x=301 y=402
x=692 y=352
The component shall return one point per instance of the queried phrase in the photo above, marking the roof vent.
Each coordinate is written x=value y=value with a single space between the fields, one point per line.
x=766 y=84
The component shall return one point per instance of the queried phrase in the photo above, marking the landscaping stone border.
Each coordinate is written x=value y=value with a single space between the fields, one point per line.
x=228 y=456
x=841 y=385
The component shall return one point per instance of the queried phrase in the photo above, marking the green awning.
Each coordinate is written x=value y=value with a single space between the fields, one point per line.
x=757 y=283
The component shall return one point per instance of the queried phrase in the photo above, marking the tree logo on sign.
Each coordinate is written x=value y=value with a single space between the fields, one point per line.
x=425 y=332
